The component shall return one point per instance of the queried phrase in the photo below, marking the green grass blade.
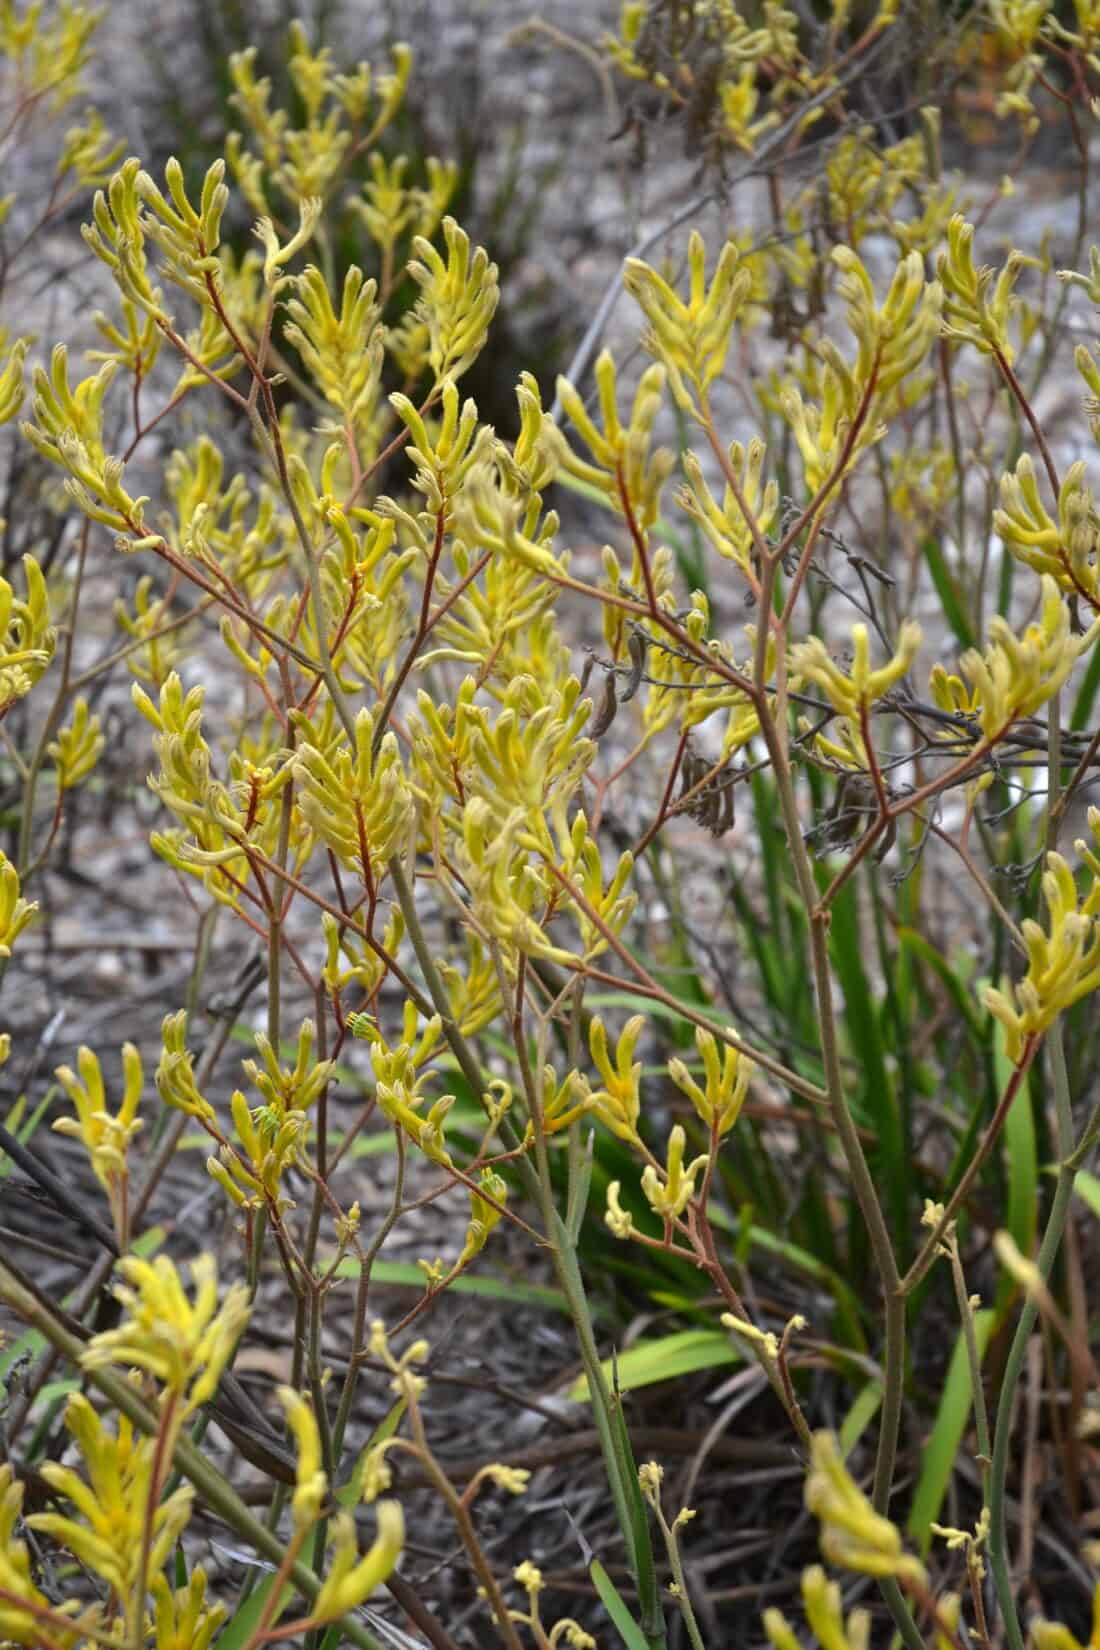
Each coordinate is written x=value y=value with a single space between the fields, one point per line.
x=877 y=1101
x=863 y=1411
x=628 y=1630
x=948 y=591
x=663 y=1359
x=23 y=1128
x=1086 y=694
x=1087 y=1187
x=349 y=1494
x=240 y=1627
x=406 y=1273
x=1021 y=1155
x=939 y=1454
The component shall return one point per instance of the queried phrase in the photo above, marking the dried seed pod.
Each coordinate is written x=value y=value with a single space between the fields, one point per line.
x=638 y=647
x=712 y=806
x=608 y=705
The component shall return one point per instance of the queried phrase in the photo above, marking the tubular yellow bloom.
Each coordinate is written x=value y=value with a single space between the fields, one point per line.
x=27 y=638
x=77 y=748
x=351 y=1579
x=727 y=1082
x=973 y=313
x=623 y=458
x=458 y=299
x=853 y=1534
x=15 y=912
x=106 y=1138
x=861 y=686
x=618 y=1103
x=852 y=693
x=691 y=340
x=618 y=1220
x=185 y=1344
x=312 y=1485
x=112 y=1503
x=16 y=1624
x=1016 y=675
x=1062 y=966
x=182 y=1619
x=669 y=1191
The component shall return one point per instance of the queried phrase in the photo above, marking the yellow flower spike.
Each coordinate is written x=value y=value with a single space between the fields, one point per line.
x=11 y=380
x=488 y=517
x=691 y=340
x=622 y=456
x=725 y=526
x=763 y=1338
x=277 y=256
x=185 y=1344
x=404 y=1380
x=16 y=1624
x=15 y=912
x=1063 y=965
x=851 y=693
x=352 y=1578
x=569 y=1632
x=27 y=638
x=613 y=905
x=106 y=1139
x=182 y=1619
x=529 y=1577
x=342 y=351
x=88 y=152
x=539 y=450
x=175 y=1076
x=1091 y=281
x=373 y=1474
x=892 y=343
x=311 y=1484
x=727 y=1082
x=561 y=1103
x=270 y=1140
x=861 y=686
x=77 y=748
x=821 y=1600
x=291 y=1088
x=853 y=1535
x=669 y=1192
x=111 y=1504
x=618 y=1103
x=1065 y=550
x=513 y=1480
x=650 y=1478
x=950 y=693
x=458 y=299
x=484 y=1216
x=1016 y=675
x=1090 y=372
x=972 y=312
x=779 y=1630
x=356 y=803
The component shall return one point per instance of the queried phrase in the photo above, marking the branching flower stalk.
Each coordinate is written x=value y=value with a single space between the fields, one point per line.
x=412 y=734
